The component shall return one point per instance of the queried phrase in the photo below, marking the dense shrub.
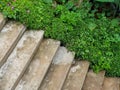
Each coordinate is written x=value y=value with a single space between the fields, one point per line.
x=35 y=14
x=110 y=7
x=94 y=39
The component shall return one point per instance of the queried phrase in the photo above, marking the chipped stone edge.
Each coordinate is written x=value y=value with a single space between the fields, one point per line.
x=62 y=62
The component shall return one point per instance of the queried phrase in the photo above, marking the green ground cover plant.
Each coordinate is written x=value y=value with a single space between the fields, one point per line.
x=35 y=14
x=93 y=36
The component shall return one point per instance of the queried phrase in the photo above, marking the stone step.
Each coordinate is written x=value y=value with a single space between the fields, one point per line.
x=119 y=83
x=58 y=71
x=93 y=81
x=39 y=66
x=76 y=76
x=111 y=84
x=12 y=71
x=2 y=21
x=9 y=36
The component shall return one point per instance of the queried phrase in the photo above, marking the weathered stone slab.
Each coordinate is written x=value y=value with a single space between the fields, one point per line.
x=119 y=83
x=39 y=65
x=12 y=71
x=9 y=36
x=2 y=21
x=58 y=71
x=76 y=76
x=111 y=84
x=93 y=81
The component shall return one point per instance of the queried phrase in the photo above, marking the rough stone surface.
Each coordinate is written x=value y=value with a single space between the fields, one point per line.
x=111 y=84
x=2 y=21
x=76 y=76
x=13 y=69
x=58 y=71
x=119 y=83
x=93 y=81
x=39 y=65
x=61 y=57
x=9 y=36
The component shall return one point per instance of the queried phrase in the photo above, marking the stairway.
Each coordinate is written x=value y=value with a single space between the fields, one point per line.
x=30 y=62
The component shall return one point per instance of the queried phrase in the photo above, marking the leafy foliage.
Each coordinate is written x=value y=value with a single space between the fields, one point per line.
x=34 y=14
x=105 y=0
x=115 y=4
x=96 y=39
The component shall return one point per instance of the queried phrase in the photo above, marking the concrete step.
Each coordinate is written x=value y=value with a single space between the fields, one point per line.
x=9 y=36
x=76 y=76
x=111 y=84
x=93 y=81
x=58 y=71
x=39 y=65
x=12 y=71
x=119 y=83
x=2 y=21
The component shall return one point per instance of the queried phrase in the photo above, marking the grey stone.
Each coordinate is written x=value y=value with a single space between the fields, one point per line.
x=9 y=36
x=39 y=65
x=12 y=71
x=111 y=84
x=93 y=81
x=57 y=73
x=76 y=76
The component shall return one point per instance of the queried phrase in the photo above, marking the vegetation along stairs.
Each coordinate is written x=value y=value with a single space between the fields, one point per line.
x=30 y=62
